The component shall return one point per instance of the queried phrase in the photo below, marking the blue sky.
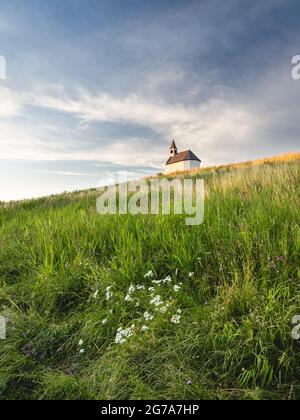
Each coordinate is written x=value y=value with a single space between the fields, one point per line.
x=94 y=87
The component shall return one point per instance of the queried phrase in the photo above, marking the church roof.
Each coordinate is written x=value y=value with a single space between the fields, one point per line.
x=181 y=156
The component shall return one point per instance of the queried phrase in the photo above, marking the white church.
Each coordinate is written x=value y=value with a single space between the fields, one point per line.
x=181 y=161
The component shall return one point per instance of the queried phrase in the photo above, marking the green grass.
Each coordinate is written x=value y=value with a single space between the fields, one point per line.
x=234 y=336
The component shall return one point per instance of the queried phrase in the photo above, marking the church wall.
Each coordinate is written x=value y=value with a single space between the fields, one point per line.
x=185 y=165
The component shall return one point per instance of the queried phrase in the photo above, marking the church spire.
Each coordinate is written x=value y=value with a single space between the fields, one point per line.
x=173 y=149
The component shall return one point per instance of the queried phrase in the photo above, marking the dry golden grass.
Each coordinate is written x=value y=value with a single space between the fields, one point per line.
x=285 y=157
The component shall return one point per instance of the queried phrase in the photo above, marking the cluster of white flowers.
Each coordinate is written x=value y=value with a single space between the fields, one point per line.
x=160 y=304
x=80 y=344
x=128 y=297
x=144 y=328
x=156 y=301
x=156 y=281
x=131 y=290
x=149 y=274
x=177 y=287
x=168 y=279
x=122 y=335
x=109 y=293
x=148 y=316
x=163 y=309
x=176 y=318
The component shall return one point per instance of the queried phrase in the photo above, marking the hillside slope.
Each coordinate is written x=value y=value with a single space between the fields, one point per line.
x=84 y=324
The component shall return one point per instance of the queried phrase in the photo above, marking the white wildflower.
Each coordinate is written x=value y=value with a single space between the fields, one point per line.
x=80 y=342
x=131 y=289
x=149 y=274
x=148 y=316
x=157 y=281
x=109 y=293
x=191 y=274
x=175 y=319
x=119 y=339
x=151 y=289
x=104 y=321
x=144 y=328
x=81 y=351
x=177 y=287
x=163 y=309
x=128 y=297
x=140 y=287
x=156 y=301
x=168 y=279
x=95 y=294
x=122 y=335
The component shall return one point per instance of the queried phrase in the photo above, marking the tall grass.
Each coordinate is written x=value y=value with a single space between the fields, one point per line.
x=233 y=341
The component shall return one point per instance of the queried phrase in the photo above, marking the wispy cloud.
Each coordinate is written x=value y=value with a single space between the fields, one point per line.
x=10 y=102
x=232 y=121
x=196 y=126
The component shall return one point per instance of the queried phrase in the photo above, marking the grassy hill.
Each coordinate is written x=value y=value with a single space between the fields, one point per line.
x=82 y=322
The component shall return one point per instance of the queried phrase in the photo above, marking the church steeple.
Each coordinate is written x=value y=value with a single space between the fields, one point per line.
x=173 y=149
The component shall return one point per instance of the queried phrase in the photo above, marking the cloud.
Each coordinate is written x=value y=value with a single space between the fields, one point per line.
x=10 y=102
x=80 y=174
x=200 y=126
x=219 y=129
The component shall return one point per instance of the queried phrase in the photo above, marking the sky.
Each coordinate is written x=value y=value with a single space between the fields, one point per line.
x=97 y=87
